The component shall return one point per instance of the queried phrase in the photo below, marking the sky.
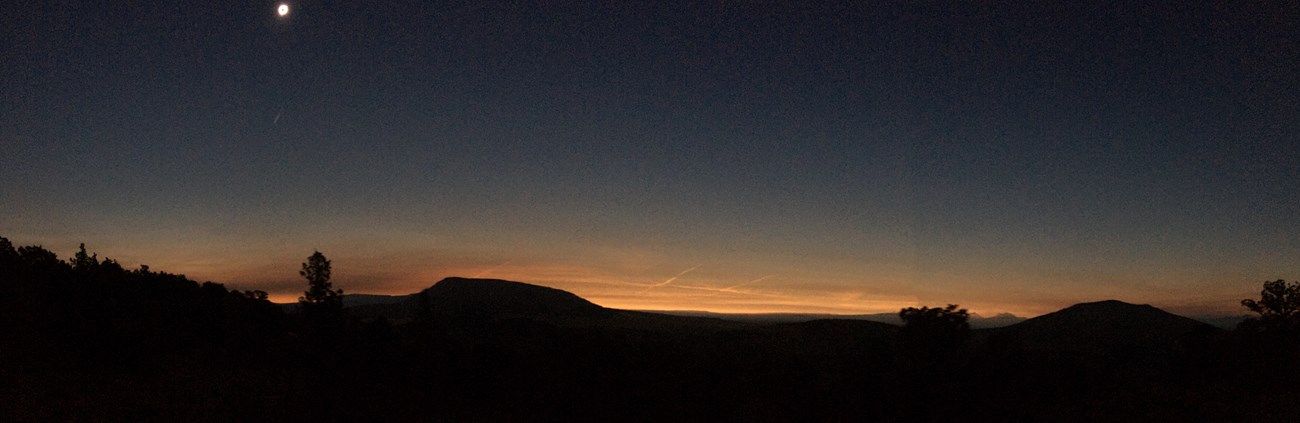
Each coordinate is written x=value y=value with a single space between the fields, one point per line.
x=732 y=156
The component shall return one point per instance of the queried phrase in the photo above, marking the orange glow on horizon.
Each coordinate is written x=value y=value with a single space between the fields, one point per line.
x=620 y=294
x=637 y=280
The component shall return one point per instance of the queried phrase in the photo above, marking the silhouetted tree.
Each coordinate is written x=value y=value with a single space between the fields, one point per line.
x=35 y=257
x=255 y=294
x=322 y=305
x=8 y=255
x=1267 y=347
x=934 y=333
x=949 y=320
x=82 y=261
x=111 y=266
x=319 y=289
x=1278 y=308
x=931 y=343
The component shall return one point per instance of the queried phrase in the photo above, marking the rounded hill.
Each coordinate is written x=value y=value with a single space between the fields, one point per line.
x=495 y=298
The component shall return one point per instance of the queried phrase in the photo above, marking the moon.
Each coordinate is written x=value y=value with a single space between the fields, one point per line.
x=282 y=10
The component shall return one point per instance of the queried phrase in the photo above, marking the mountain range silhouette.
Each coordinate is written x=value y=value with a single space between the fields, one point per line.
x=87 y=340
x=1093 y=325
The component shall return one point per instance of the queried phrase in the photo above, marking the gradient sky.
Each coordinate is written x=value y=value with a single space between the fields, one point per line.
x=712 y=155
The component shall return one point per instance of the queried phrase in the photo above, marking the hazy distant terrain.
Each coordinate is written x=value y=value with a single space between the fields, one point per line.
x=976 y=321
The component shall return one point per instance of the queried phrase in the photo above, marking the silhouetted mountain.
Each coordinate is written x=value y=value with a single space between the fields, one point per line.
x=483 y=300
x=479 y=299
x=1104 y=326
x=464 y=297
x=996 y=321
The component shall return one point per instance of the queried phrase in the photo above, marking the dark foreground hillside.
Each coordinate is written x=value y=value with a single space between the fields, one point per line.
x=86 y=340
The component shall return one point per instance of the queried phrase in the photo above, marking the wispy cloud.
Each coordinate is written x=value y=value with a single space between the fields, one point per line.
x=669 y=280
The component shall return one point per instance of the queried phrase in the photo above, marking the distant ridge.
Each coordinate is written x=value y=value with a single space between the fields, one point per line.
x=470 y=298
x=356 y=300
x=1105 y=326
x=1102 y=326
x=976 y=321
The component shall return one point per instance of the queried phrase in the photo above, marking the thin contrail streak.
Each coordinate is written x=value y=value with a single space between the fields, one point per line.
x=730 y=288
x=720 y=291
x=277 y=117
x=669 y=280
x=734 y=289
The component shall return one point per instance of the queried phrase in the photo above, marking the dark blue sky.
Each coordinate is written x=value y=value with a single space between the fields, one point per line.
x=795 y=155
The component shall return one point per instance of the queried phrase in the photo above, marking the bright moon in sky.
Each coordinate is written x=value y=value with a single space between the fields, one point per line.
x=283 y=10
